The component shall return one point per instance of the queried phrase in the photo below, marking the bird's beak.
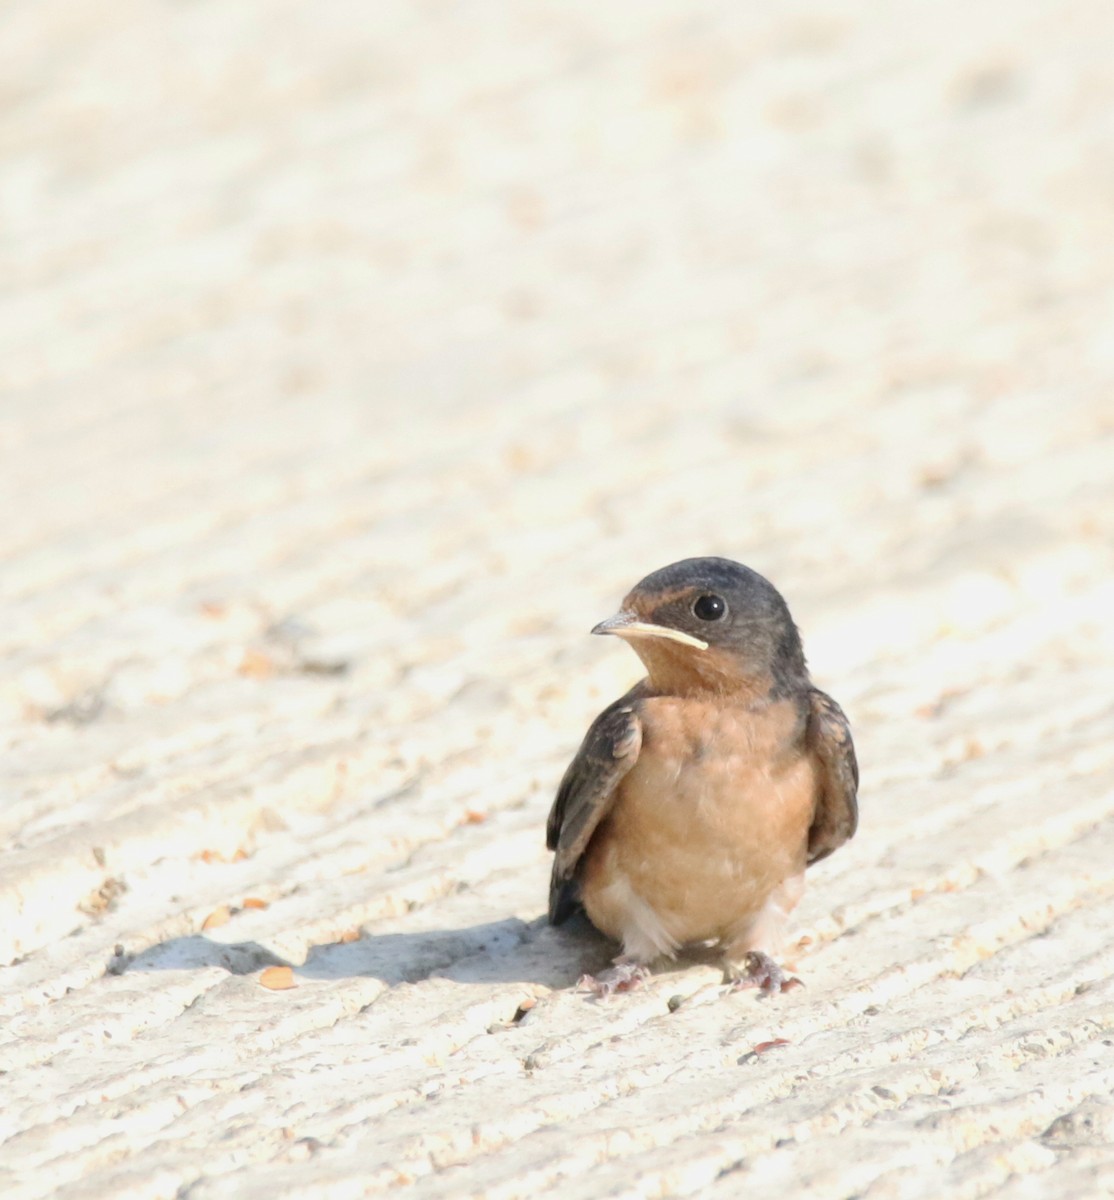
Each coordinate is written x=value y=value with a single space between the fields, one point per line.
x=626 y=625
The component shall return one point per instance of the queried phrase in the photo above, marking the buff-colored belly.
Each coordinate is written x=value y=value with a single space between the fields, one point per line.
x=710 y=821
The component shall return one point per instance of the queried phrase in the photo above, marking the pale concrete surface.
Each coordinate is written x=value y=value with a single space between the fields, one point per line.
x=355 y=360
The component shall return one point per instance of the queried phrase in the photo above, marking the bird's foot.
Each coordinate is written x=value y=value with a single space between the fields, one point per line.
x=760 y=971
x=624 y=975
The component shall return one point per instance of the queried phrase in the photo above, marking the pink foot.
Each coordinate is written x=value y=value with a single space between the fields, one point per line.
x=762 y=972
x=624 y=976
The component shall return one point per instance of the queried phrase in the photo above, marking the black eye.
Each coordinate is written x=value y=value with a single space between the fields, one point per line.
x=709 y=608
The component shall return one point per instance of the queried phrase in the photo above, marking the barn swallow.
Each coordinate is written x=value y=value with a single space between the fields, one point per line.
x=697 y=800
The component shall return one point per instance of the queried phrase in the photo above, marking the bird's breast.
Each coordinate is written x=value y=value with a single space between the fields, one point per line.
x=711 y=818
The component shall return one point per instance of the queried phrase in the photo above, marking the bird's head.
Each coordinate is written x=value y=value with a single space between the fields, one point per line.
x=711 y=624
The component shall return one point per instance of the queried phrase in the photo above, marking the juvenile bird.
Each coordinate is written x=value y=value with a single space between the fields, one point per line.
x=696 y=801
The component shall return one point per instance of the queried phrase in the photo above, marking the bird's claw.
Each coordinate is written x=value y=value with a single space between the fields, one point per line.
x=764 y=973
x=622 y=977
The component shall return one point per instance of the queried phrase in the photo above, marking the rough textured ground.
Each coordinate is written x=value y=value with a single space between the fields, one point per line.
x=353 y=365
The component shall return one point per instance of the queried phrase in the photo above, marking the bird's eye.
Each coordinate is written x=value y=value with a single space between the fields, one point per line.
x=709 y=608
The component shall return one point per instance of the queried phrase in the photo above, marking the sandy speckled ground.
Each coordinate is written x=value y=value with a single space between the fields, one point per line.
x=353 y=366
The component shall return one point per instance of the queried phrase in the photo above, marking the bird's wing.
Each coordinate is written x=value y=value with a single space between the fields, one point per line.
x=837 y=808
x=585 y=794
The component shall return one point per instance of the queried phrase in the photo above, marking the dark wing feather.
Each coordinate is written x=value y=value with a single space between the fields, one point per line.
x=608 y=752
x=837 y=808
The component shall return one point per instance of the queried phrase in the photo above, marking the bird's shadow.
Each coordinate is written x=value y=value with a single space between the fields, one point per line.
x=507 y=951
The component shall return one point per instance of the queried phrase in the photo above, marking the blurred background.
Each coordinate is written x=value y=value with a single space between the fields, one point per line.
x=356 y=359
x=355 y=362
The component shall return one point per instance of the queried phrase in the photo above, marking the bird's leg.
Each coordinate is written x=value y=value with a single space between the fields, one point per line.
x=759 y=970
x=624 y=975
x=745 y=965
